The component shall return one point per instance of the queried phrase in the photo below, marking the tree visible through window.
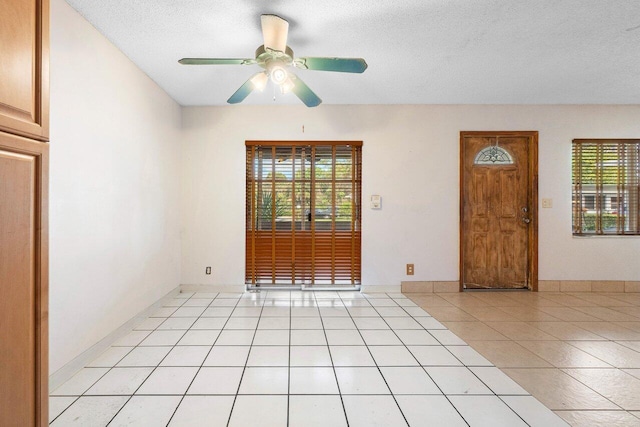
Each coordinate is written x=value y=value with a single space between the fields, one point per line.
x=606 y=187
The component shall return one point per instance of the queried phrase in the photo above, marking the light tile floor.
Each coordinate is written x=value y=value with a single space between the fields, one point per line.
x=280 y=358
x=577 y=353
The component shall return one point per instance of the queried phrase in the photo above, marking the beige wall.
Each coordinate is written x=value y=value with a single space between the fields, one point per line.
x=115 y=173
x=411 y=159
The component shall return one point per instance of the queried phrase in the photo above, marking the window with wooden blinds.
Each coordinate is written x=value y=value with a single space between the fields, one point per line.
x=303 y=219
x=606 y=187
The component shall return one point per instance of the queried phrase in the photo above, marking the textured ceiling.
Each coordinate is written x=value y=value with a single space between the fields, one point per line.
x=418 y=51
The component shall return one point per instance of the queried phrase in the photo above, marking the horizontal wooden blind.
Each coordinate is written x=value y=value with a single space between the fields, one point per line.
x=303 y=219
x=606 y=187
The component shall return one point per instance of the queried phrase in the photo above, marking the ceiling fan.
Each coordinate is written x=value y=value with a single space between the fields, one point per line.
x=276 y=58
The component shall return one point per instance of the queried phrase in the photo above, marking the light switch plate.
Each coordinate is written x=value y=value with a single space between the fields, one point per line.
x=547 y=203
x=376 y=202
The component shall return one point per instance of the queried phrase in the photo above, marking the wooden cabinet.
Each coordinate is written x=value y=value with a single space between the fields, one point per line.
x=23 y=281
x=24 y=128
x=24 y=68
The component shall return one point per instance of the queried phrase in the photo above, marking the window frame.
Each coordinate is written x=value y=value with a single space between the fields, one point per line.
x=313 y=247
x=603 y=170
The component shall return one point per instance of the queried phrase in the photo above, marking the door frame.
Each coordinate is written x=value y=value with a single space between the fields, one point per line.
x=532 y=198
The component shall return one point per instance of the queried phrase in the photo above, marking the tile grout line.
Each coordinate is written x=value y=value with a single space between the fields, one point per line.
x=472 y=372
x=562 y=302
x=109 y=368
x=479 y=379
x=486 y=385
x=420 y=364
x=342 y=302
x=374 y=359
x=205 y=357
x=568 y=342
x=152 y=370
x=246 y=362
x=333 y=366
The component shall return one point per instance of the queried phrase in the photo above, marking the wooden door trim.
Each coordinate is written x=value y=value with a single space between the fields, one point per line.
x=532 y=173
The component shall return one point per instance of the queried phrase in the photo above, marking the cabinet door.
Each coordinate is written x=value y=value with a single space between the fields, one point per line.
x=24 y=68
x=23 y=282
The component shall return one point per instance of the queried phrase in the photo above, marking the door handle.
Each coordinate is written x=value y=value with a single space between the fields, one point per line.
x=526 y=220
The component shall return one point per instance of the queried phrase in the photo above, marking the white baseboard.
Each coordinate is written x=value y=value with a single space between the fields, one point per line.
x=241 y=288
x=212 y=288
x=63 y=374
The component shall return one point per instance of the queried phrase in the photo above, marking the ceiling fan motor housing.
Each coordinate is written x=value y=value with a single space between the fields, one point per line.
x=265 y=55
x=275 y=62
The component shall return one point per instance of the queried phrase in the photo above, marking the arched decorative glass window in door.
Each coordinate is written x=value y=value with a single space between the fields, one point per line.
x=493 y=155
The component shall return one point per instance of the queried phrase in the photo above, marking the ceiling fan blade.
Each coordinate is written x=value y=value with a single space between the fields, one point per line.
x=305 y=93
x=342 y=65
x=243 y=91
x=274 y=31
x=216 y=61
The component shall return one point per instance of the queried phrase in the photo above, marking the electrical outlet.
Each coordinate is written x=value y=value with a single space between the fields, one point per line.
x=409 y=269
x=208 y=270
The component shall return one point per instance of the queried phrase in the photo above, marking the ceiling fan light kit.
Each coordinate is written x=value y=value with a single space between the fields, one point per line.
x=276 y=57
x=278 y=74
x=260 y=81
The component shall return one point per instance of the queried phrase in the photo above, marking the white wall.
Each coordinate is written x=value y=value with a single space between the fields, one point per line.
x=411 y=158
x=114 y=188
x=124 y=168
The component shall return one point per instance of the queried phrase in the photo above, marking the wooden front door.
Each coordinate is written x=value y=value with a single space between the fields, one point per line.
x=498 y=210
